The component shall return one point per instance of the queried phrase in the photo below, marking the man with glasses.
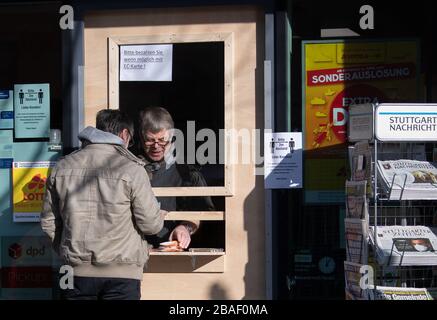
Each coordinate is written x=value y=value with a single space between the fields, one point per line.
x=98 y=207
x=156 y=125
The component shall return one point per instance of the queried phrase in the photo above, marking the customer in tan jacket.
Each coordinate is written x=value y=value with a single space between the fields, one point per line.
x=98 y=207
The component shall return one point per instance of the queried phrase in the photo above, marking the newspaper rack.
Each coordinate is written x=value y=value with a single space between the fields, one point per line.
x=394 y=207
x=402 y=189
x=406 y=275
x=395 y=241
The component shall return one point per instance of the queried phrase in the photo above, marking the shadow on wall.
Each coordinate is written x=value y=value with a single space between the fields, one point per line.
x=254 y=225
x=217 y=292
x=254 y=217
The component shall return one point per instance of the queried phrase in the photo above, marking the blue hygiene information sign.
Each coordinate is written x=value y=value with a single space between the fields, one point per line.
x=6 y=109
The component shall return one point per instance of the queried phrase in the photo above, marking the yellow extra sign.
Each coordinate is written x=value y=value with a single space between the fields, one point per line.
x=29 y=186
x=339 y=74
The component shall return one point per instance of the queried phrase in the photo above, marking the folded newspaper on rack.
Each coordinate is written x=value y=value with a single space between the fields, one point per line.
x=398 y=293
x=356 y=234
x=353 y=277
x=356 y=200
x=405 y=245
x=432 y=292
x=361 y=164
x=409 y=179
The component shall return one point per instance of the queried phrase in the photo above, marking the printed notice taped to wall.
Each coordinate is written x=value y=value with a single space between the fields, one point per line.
x=32 y=110
x=146 y=62
x=282 y=160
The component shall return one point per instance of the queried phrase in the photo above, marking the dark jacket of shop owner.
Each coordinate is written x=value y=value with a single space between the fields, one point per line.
x=176 y=175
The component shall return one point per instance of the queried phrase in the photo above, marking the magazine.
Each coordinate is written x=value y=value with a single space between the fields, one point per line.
x=405 y=245
x=409 y=179
x=352 y=277
x=361 y=164
x=356 y=233
x=398 y=293
x=348 y=295
x=356 y=201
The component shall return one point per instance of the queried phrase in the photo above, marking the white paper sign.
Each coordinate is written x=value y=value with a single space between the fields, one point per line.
x=283 y=160
x=360 y=122
x=32 y=110
x=406 y=122
x=146 y=62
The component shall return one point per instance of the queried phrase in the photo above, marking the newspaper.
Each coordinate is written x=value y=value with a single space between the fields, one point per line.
x=356 y=234
x=352 y=277
x=405 y=245
x=348 y=295
x=361 y=164
x=397 y=293
x=409 y=179
x=356 y=201
x=432 y=292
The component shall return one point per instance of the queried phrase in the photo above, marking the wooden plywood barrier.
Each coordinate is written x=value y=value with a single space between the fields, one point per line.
x=239 y=272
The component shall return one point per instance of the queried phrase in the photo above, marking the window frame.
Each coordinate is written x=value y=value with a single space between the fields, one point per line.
x=114 y=44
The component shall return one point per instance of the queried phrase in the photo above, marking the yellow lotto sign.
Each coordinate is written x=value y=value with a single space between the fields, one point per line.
x=29 y=185
x=338 y=74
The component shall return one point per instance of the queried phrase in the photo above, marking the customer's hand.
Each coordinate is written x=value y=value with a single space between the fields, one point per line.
x=182 y=235
x=163 y=213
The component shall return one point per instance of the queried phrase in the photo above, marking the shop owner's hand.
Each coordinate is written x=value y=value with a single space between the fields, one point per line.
x=181 y=234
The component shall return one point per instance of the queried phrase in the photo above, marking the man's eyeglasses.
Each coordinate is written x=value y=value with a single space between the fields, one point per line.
x=161 y=142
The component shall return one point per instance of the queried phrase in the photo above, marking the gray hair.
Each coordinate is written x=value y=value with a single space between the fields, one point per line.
x=155 y=119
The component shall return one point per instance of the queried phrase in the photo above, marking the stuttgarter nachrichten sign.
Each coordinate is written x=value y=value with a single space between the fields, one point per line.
x=406 y=122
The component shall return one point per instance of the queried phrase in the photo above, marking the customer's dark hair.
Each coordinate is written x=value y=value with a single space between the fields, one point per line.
x=114 y=121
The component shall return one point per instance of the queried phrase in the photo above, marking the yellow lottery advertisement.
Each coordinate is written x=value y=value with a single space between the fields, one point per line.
x=338 y=74
x=29 y=185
